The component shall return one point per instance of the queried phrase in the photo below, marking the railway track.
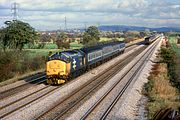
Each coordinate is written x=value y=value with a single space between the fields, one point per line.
x=18 y=104
x=30 y=81
x=96 y=107
x=35 y=80
x=84 y=92
x=66 y=112
x=22 y=102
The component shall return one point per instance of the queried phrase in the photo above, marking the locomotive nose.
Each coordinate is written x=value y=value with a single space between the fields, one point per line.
x=57 y=67
x=57 y=71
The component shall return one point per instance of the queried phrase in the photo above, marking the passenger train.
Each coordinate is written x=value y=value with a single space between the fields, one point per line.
x=148 y=40
x=65 y=65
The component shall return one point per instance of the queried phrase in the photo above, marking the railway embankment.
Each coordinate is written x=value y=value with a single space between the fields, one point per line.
x=15 y=65
x=162 y=88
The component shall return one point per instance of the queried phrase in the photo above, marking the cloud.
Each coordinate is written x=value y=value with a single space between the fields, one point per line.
x=50 y=14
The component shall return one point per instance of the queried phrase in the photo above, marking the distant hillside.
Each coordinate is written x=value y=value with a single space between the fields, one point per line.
x=126 y=28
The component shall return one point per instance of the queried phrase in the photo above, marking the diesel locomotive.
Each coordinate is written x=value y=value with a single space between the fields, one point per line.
x=63 y=66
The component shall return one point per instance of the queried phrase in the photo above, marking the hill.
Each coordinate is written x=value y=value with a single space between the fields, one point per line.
x=136 y=28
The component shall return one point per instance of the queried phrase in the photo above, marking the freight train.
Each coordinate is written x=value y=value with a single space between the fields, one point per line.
x=65 y=65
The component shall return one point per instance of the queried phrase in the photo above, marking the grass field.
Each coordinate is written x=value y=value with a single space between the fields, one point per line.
x=46 y=46
x=50 y=47
x=172 y=41
x=40 y=52
x=102 y=39
x=75 y=45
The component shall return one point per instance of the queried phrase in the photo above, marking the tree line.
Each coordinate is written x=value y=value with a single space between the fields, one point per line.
x=16 y=34
x=90 y=37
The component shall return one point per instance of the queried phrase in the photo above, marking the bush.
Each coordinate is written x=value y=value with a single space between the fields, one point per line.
x=41 y=45
x=13 y=63
x=159 y=90
x=169 y=57
x=128 y=39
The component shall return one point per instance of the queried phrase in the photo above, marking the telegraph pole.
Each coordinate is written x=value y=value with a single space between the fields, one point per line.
x=14 y=9
x=85 y=26
x=98 y=24
x=65 y=22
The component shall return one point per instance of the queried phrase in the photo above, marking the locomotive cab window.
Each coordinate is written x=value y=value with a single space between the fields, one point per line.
x=65 y=58
x=81 y=61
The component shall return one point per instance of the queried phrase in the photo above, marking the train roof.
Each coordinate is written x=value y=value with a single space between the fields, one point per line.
x=99 y=46
x=66 y=55
x=72 y=53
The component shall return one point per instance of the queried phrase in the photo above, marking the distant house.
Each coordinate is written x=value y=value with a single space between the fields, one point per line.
x=178 y=41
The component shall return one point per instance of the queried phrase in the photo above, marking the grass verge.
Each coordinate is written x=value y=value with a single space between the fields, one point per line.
x=160 y=89
x=173 y=43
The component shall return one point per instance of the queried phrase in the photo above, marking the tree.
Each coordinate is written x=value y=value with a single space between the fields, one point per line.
x=61 y=41
x=91 y=36
x=16 y=34
x=45 y=38
x=143 y=34
x=3 y=38
x=86 y=38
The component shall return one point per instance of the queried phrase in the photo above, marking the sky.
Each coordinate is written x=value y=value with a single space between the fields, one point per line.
x=50 y=14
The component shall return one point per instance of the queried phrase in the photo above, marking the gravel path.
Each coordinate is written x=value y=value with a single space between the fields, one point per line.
x=36 y=108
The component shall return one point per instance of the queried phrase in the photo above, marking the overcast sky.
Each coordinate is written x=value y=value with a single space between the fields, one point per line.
x=50 y=14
